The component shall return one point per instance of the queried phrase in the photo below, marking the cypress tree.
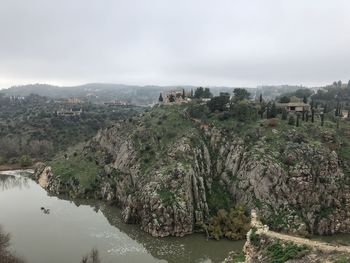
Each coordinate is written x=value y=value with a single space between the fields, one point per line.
x=273 y=111
x=297 y=120
x=260 y=98
x=307 y=116
x=322 y=119
x=291 y=120
x=305 y=99
x=303 y=116
x=284 y=114
x=160 y=98
x=312 y=115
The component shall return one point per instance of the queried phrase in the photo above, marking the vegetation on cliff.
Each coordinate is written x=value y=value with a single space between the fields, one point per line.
x=178 y=166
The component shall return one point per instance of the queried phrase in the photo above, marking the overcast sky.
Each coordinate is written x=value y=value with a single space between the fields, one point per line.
x=199 y=42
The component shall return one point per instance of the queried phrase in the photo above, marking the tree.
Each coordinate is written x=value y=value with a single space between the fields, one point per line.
x=262 y=108
x=291 y=120
x=198 y=93
x=25 y=161
x=305 y=99
x=312 y=115
x=339 y=83
x=160 y=98
x=183 y=94
x=243 y=111
x=202 y=93
x=322 y=119
x=273 y=111
x=335 y=84
x=207 y=93
x=284 y=114
x=260 y=98
x=298 y=116
x=191 y=93
x=218 y=103
x=240 y=94
x=284 y=99
x=301 y=93
x=348 y=84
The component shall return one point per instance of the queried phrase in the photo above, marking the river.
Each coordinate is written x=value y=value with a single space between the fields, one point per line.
x=74 y=227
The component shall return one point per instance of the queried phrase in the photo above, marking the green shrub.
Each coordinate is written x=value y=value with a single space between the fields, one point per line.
x=232 y=224
x=25 y=160
x=254 y=237
x=2 y=160
x=238 y=258
x=167 y=197
x=279 y=252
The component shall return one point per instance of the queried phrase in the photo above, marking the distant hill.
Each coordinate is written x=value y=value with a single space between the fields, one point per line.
x=139 y=95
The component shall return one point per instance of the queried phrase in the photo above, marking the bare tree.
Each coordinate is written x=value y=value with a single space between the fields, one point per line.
x=93 y=257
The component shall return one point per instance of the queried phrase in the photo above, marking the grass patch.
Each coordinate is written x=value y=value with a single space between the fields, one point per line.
x=85 y=171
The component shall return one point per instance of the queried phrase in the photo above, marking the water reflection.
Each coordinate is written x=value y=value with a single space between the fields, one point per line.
x=9 y=181
x=194 y=248
x=74 y=227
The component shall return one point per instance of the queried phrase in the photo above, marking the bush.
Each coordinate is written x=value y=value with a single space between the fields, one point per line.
x=232 y=224
x=2 y=160
x=254 y=238
x=224 y=115
x=244 y=111
x=281 y=252
x=218 y=103
x=25 y=160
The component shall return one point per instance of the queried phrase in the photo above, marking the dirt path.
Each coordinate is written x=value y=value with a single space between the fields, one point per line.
x=261 y=229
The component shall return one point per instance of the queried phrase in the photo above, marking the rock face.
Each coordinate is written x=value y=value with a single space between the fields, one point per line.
x=296 y=186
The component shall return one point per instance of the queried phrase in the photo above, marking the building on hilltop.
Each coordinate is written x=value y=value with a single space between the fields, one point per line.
x=294 y=106
x=73 y=100
x=175 y=96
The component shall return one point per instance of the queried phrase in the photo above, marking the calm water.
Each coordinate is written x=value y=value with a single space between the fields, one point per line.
x=73 y=228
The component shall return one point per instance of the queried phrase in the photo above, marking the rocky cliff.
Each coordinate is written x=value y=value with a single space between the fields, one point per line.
x=169 y=173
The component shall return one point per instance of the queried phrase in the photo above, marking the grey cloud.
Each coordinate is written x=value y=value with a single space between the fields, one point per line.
x=225 y=42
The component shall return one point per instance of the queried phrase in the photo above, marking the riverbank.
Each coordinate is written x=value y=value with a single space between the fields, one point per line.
x=12 y=167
